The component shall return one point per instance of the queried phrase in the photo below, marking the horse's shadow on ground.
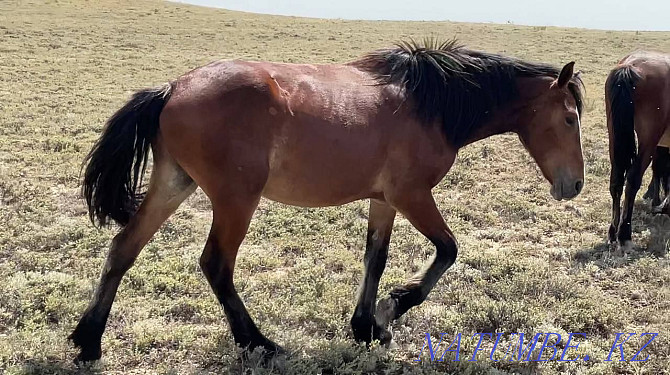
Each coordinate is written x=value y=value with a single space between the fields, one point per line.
x=35 y=367
x=346 y=357
x=654 y=244
x=338 y=358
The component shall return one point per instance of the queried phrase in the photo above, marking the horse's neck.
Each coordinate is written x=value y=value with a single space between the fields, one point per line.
x=507 y=118
x=502 y=122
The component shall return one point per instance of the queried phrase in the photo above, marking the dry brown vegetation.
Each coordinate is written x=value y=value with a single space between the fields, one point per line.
x=527 y=263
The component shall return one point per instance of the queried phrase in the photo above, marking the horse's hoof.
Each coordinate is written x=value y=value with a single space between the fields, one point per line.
x=90 y=350
x=362 y=327
x=85 y=357
x=657 y=209
x=268 y=348
x=624 y=248
x=384 y=335
x=385 y=312
x=611 y=235
x=368 y=329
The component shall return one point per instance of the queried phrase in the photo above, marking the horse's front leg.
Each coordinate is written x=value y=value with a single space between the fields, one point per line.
x=380 y=224
x=653 y=191
x=420 y=209
x=657 y=179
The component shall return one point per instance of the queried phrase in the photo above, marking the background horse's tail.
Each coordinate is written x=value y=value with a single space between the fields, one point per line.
x=620 y=88
x=117 y=162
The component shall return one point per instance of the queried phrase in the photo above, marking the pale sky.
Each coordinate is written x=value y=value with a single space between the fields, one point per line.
x=594 y=14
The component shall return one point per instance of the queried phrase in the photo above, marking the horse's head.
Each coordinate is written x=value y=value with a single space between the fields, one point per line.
x=549 y=128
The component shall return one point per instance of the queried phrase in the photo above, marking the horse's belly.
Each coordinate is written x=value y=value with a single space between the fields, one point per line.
x=317 y=188
x=319 y=178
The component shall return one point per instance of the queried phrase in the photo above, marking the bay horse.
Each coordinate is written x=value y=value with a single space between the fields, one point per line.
x=386 y=127
x=637 y=97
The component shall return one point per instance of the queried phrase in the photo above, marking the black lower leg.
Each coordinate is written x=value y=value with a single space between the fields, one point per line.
x=88 y=334
x=363 y=322
x=633 y=182
x=416 y=290
x=617 y=180
x=245 y=332
x=219 y=273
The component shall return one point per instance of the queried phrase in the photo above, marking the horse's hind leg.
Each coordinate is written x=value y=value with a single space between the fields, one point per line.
x=229 y=227
x=169 y=186
x=633 y=182
x=617 y=181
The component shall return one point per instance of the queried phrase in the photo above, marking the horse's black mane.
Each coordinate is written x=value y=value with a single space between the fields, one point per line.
x=461 y=87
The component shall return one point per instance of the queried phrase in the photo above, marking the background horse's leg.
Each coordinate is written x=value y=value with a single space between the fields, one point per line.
x=169 y=186
x=380 y=224
x=633 y=182
x=663 y=157
x=657 y=167
x=420 y=209
x=653 y=190
x=649 y=194
x=230 y=224
x=661 y=166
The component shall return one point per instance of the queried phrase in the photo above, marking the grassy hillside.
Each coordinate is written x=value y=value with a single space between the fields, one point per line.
x=526 y=264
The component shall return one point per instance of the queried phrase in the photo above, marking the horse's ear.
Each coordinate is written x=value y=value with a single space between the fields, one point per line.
x=566 y=74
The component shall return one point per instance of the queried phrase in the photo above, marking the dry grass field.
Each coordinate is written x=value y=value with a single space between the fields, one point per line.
x=526 y=264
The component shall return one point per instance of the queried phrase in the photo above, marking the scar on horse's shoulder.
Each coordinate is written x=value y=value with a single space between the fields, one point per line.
x=280 y=96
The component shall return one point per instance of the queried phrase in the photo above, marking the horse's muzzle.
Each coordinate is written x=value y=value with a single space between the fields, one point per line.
x=566 y=188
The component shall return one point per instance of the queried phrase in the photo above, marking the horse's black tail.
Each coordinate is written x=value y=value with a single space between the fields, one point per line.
x=620 y=88
x=117 y=162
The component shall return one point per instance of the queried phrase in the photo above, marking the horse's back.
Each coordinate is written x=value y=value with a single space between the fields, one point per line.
x=308 y=135
x=651 y=94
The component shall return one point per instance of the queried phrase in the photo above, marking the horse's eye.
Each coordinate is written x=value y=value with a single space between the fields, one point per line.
x=571 y=121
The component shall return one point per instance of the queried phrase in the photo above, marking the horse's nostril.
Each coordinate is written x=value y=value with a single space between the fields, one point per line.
x=578 y=186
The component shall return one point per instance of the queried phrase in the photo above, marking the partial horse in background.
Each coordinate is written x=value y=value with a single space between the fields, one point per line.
x=637 y=94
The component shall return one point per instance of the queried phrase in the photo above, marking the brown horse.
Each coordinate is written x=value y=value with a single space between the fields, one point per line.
x=637 y=95
x=386 y=128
